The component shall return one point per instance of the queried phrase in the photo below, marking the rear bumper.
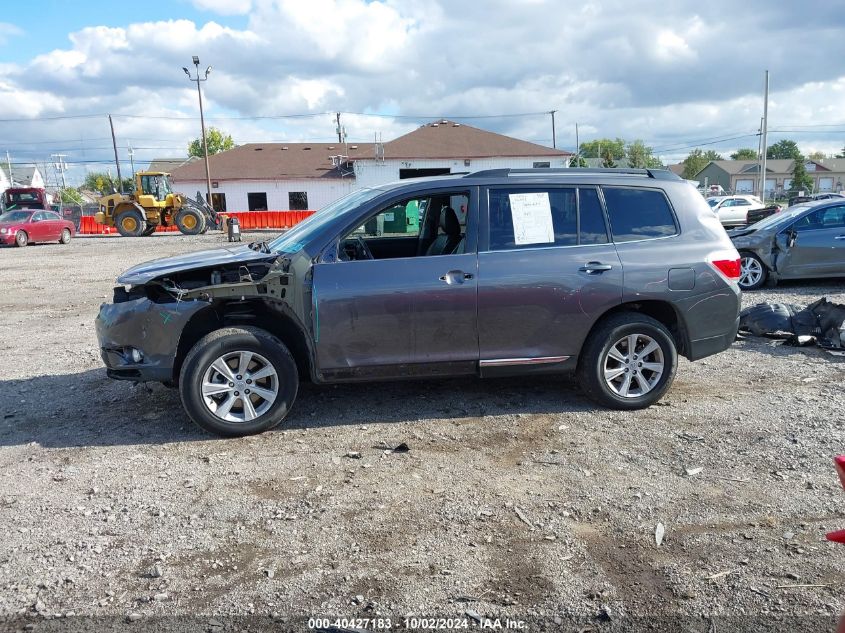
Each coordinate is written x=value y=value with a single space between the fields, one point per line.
x=703 y=347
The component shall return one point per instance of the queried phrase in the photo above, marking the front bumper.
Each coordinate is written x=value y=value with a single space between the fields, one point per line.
x=152 y=329
x=7 y=239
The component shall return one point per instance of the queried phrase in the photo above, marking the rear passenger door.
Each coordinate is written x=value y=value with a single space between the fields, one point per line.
x=546 y=271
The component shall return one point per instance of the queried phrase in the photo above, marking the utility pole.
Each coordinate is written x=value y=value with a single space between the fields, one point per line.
x=132 y=160
x=9 y=167
x=198 y=79
x=577 y=148
x=60 y=166
x=116 y=159
x=763 y=138
x=554 y=139
x=339 y=129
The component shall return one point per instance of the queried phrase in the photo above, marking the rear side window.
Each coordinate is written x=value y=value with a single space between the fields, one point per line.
x=544 y=217
x=638 y=214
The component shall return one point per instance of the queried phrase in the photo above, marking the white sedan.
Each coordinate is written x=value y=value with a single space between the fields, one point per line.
x=732 y=210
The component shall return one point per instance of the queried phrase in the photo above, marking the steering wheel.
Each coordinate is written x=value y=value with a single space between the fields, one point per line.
x=363 y=249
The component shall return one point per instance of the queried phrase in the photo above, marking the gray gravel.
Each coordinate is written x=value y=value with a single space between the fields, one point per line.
x=517 y=497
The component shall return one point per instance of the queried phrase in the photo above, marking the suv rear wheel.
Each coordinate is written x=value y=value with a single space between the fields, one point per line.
x=629 y=362
x=238 y=381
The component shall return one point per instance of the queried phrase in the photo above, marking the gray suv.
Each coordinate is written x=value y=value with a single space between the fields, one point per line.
x=608 y=273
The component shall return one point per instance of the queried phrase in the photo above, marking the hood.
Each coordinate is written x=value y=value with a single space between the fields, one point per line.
x=142 y=273
x=740 y=232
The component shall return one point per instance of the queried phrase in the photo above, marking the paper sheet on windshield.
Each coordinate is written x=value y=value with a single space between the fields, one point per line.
x=532 y=218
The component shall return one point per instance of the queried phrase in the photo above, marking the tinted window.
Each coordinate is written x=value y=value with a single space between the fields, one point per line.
x=298 y=200
x=829 y=218
x=545 y=217
x=638 y=214
x=593 y=230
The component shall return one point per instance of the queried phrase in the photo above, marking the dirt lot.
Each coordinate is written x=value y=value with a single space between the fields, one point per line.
x=518 y=497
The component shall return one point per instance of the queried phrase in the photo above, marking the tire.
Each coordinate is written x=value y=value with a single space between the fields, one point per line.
x=130 y=223
x=228 y=345
x=21 y=238
x=753 y=272
x=65 y=237
x=609 y=342
x=151 y=228
x=190 y=221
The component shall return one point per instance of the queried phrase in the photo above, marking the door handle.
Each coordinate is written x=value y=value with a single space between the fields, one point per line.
x=455 y=277
x=593 y=268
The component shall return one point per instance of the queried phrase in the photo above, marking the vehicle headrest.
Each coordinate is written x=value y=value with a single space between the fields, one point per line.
x=449 y=221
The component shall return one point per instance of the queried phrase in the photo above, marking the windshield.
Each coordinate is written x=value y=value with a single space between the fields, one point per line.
x=783 y=217
x=295 y=239
x=15 y=216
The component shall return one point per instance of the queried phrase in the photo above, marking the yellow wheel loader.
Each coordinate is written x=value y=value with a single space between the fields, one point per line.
x=154 y=204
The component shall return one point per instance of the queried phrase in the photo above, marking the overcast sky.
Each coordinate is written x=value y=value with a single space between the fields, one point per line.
x=675 y=74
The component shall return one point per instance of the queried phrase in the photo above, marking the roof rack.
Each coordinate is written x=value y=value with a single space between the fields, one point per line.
x=657 y=174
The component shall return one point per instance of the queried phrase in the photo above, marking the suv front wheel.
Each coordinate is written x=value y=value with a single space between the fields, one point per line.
x=629 y=362
x=238 y=381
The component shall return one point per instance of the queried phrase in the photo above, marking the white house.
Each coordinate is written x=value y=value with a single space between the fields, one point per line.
x=26 y=176
x=447 y=147
x=300 y=176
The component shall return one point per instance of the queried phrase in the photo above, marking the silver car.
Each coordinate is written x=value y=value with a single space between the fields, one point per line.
x=804 y=242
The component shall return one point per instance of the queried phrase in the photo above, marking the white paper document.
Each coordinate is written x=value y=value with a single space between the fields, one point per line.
x=532 y=218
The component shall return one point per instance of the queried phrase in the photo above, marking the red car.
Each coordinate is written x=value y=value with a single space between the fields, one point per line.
x=23 y=226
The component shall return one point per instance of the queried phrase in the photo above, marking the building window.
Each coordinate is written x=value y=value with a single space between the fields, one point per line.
x=218 y=201
x=298 y=200
x=542 y=165
x=257 y=201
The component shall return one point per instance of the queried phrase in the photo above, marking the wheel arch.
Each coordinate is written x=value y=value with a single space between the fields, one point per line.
x=662 y=311
x=274 y=317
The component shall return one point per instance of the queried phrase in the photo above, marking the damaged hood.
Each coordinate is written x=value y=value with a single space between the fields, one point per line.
x=143 y=273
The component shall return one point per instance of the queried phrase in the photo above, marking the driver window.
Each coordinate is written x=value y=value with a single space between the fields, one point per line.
x=419 y=226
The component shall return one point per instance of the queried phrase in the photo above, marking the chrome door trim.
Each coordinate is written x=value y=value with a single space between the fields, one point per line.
x=541 y=360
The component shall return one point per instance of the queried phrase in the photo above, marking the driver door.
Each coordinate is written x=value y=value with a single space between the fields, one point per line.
x=403 y=312
x=818 y=247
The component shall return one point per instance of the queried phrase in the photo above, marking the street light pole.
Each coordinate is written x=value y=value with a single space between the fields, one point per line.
x=198 y=79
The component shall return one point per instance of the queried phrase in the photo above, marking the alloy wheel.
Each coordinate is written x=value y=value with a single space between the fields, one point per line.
x=633 y=365
x=751 y=271
x=240 y=386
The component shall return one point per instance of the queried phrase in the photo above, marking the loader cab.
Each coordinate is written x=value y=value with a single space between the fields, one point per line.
x=156 y=185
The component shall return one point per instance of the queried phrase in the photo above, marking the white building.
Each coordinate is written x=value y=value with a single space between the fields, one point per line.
x=27 y=176
x=308 y=176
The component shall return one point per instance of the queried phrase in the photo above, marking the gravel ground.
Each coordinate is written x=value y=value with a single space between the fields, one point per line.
x=517 y=498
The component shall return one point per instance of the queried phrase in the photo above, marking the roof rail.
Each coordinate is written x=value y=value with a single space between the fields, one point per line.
x=657 y=174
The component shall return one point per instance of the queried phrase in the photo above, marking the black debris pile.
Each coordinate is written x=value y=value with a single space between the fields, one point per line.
x=822 y=323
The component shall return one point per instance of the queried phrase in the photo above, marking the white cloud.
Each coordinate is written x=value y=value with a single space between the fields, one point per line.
x=667 y=73
x=224 y=7
x=8 y=31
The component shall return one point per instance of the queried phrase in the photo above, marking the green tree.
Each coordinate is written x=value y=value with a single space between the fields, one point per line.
x=578 y=161
x=640 y=155
x=601 y=147
x=784 y=149
x=698 y=160
x=69 y=195
x=103 y=183
x=801 y=180
x=841 y=154
x=608 y=161
x=217 y=142
x=744 y=153
x=817 y=155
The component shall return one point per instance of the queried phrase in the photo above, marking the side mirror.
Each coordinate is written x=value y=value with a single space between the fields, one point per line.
x=792 y=237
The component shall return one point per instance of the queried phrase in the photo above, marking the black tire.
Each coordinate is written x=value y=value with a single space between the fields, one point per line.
x=190 y=221
x=130 y=223
x=595 y=358
x=151 y=228
x=65 y=237
x=216 y=346
x=751 y=266
x=21 y=238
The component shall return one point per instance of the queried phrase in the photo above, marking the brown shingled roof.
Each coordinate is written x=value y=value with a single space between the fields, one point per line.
x=269 y=161
x=447 y=139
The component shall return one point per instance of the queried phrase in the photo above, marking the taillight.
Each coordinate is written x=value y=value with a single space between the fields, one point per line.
x=730 y=268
